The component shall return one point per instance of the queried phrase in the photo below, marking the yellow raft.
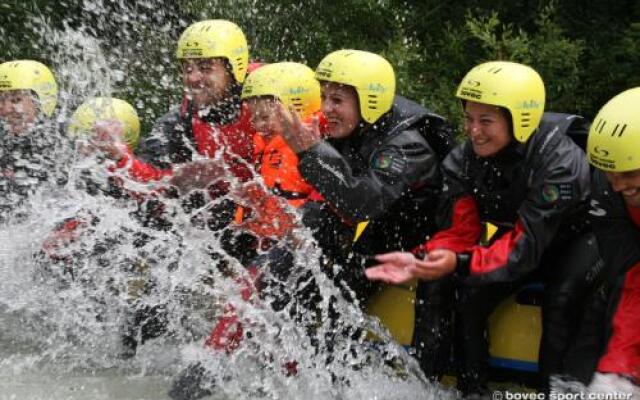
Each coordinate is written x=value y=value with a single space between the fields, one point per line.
x=514 y=327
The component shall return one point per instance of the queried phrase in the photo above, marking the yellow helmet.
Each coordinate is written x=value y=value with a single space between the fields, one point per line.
x=614 y=137
x=370 y=74
x=516 y=87
x=106 y=108
x=292 y=83
x=31 y=75
x=216 y=38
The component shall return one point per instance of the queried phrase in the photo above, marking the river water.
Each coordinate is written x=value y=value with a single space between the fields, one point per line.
x=63 y=321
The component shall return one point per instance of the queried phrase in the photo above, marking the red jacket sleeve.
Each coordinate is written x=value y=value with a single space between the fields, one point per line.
x=487 y=259
x=141 y=171
x=464 y=232
x=623 y=351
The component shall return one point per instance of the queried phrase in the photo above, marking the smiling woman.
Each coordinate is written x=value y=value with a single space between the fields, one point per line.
x=519 y=170
x=377 y=168
x=488 y=127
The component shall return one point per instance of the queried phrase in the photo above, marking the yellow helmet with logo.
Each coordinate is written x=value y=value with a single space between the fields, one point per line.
x=370 y=74
x=516 y=87
x=292 y=83
x=31 y=75
x=216 y=38
x=106 y=108
x=614 y=137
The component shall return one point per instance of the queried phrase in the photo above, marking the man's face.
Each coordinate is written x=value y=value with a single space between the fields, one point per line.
x=627 y=184
x=207 y=81
x=18 y=109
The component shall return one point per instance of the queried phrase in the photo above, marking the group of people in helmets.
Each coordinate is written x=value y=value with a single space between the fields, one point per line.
x=387 y=193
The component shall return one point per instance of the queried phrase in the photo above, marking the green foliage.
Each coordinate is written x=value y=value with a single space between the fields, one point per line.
x=585 y=51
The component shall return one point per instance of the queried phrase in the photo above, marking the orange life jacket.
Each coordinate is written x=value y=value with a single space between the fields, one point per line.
x=278 y=166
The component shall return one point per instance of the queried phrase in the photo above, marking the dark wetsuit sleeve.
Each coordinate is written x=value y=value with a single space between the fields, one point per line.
x=393 y=169
x=558 y=183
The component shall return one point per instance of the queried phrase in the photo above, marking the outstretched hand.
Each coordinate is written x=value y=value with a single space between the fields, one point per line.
x=393 y=268
x=299 y=136
x=197 y=175
x=399 y=267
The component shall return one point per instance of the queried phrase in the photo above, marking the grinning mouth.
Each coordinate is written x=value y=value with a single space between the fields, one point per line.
x=480 y=142
x=631 y=192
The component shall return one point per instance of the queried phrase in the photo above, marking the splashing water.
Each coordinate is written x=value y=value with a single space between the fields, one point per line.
x=64 y=310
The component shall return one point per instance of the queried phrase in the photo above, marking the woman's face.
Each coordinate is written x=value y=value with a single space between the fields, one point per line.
x=487 y=127
x=19 y=110
x=341 y=108
x=264 y=116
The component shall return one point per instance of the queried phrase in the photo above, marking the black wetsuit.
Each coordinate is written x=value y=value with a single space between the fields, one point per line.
x=537 y=195
x=387 y=174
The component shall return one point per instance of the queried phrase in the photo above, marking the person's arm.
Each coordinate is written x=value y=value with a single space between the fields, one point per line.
x=461 y=230
x=140 y=171
x=558 y=186
x=394 y=168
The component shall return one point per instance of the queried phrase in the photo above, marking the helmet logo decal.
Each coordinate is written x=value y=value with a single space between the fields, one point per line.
x=473 y=83
x=298 y=90
x=528 y=104
x=376 y=87
x=600 y=151
x=191 y=52
x=471 y=93
x=324 y=73
x=602 y=163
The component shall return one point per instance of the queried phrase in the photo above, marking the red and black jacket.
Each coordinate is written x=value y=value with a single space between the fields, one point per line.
x=617 y=228
x=535 y=193
x=224 y=132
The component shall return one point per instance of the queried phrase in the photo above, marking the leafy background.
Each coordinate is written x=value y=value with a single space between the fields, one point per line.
x=586 y=50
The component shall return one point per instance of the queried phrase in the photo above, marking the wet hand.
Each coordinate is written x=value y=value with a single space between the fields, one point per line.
x=394 y=268
x=299 y=136
x=397 y=267
x=197 y=175
x=437 y=264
